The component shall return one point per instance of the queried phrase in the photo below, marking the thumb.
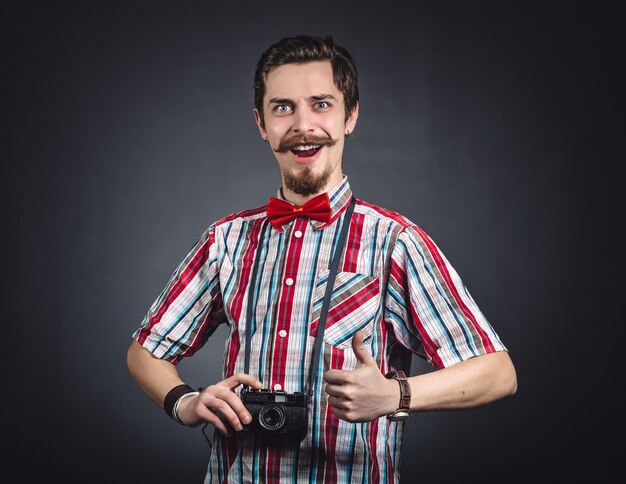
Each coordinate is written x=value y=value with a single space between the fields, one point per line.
x=361 y=353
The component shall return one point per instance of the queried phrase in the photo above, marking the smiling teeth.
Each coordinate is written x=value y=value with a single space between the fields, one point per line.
x=306 y=147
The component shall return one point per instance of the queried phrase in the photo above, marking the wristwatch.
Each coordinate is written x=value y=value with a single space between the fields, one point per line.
x=403 y=412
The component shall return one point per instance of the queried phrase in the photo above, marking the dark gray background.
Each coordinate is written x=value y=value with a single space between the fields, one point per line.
x=493 y=125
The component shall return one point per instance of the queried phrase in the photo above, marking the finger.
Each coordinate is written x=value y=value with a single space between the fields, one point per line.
x=338 y=403
x=241 y=379
x=227 y=426
x=340 y=391
x=339 y=413
x=349 y=415
x=208 y=416
x=338 y=377
x=229 y=406
x=238 y=407
x=226 y=412
x=334 y=390
x=360 y=351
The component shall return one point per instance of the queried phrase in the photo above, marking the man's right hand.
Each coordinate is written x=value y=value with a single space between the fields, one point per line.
x=219 y=405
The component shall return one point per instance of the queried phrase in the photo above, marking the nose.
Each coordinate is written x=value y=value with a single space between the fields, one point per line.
x=302 y=121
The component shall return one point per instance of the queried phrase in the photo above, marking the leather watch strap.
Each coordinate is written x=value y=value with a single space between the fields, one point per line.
x=403 y=412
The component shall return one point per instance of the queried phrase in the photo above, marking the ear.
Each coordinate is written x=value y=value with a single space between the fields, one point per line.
x=352 y=117
x=259 y=122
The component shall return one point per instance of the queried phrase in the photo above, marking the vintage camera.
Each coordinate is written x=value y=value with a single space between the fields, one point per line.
x=276 y=412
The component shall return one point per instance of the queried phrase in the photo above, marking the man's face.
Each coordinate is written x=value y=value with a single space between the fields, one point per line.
x=305 y=125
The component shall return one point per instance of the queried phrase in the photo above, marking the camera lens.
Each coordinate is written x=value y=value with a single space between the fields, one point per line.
x=272 y=417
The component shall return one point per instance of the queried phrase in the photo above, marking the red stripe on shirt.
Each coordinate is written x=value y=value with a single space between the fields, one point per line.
x=353 y=243
x=374 y=469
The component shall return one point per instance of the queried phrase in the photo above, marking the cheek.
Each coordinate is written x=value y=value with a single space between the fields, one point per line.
x=334 y=126
x=277 y=130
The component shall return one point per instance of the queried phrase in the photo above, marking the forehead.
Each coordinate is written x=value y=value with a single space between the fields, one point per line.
x=293 y=81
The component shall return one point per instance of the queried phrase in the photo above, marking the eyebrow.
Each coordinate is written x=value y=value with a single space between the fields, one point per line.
x=319 y=97
x=276 y=100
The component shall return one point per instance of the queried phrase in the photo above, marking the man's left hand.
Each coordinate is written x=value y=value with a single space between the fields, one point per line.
x=363 y=394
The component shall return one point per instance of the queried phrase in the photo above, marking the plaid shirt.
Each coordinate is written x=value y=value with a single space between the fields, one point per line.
x=393 y=283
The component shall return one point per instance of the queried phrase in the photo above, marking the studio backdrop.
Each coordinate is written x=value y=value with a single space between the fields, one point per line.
x=491 y=125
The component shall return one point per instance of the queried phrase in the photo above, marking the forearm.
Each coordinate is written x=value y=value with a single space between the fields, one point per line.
x=471 y=383
x=154 y=376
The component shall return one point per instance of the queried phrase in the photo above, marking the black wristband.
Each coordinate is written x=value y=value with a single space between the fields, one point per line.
x=173 y=395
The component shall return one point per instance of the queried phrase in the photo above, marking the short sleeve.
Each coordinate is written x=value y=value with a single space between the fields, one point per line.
x=430 y=310
x=186 y=312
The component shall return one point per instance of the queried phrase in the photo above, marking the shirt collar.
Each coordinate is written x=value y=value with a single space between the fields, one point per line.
x=340 y=196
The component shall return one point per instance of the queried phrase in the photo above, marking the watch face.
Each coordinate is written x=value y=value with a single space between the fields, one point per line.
x=399 y=415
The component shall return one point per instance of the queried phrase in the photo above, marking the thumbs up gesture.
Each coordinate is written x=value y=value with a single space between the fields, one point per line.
x=362 y=394
x=362 y=355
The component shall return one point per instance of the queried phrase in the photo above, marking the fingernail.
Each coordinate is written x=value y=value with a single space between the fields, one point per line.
x=247 y=419
x=239 y=427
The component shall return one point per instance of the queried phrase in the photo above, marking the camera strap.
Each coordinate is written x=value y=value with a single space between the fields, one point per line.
x=334 y=267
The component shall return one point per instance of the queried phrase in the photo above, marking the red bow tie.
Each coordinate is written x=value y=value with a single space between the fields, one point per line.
x=280 y=212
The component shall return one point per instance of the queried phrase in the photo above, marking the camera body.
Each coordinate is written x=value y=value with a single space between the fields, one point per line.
x=276 y=412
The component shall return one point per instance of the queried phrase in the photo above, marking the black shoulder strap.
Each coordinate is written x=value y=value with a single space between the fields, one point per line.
x=334 y=267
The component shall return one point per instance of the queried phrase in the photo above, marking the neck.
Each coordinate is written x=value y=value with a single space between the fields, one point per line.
x=297 y=199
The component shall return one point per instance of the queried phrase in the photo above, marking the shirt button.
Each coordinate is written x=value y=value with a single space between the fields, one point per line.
x=289 y=281
x=278 y=386
x=297 y=234
x=282 y=333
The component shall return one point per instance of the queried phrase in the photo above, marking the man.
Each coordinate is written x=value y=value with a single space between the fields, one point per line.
x=265 y=272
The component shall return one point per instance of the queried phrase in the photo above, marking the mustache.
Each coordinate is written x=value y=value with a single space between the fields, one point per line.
x=301 y=139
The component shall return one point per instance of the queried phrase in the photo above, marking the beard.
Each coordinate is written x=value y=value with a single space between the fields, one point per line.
x=305 y=183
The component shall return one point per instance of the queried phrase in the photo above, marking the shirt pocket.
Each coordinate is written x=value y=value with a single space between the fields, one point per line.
x=354 y=303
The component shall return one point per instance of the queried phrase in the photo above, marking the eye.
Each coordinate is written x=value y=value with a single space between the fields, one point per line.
x=322 y=105
x=282 y=108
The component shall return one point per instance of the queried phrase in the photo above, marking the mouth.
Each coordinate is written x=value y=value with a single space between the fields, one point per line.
x=305 y=151
x=304 y=148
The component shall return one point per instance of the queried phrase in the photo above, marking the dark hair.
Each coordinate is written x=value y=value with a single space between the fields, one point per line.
x=300 y=50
